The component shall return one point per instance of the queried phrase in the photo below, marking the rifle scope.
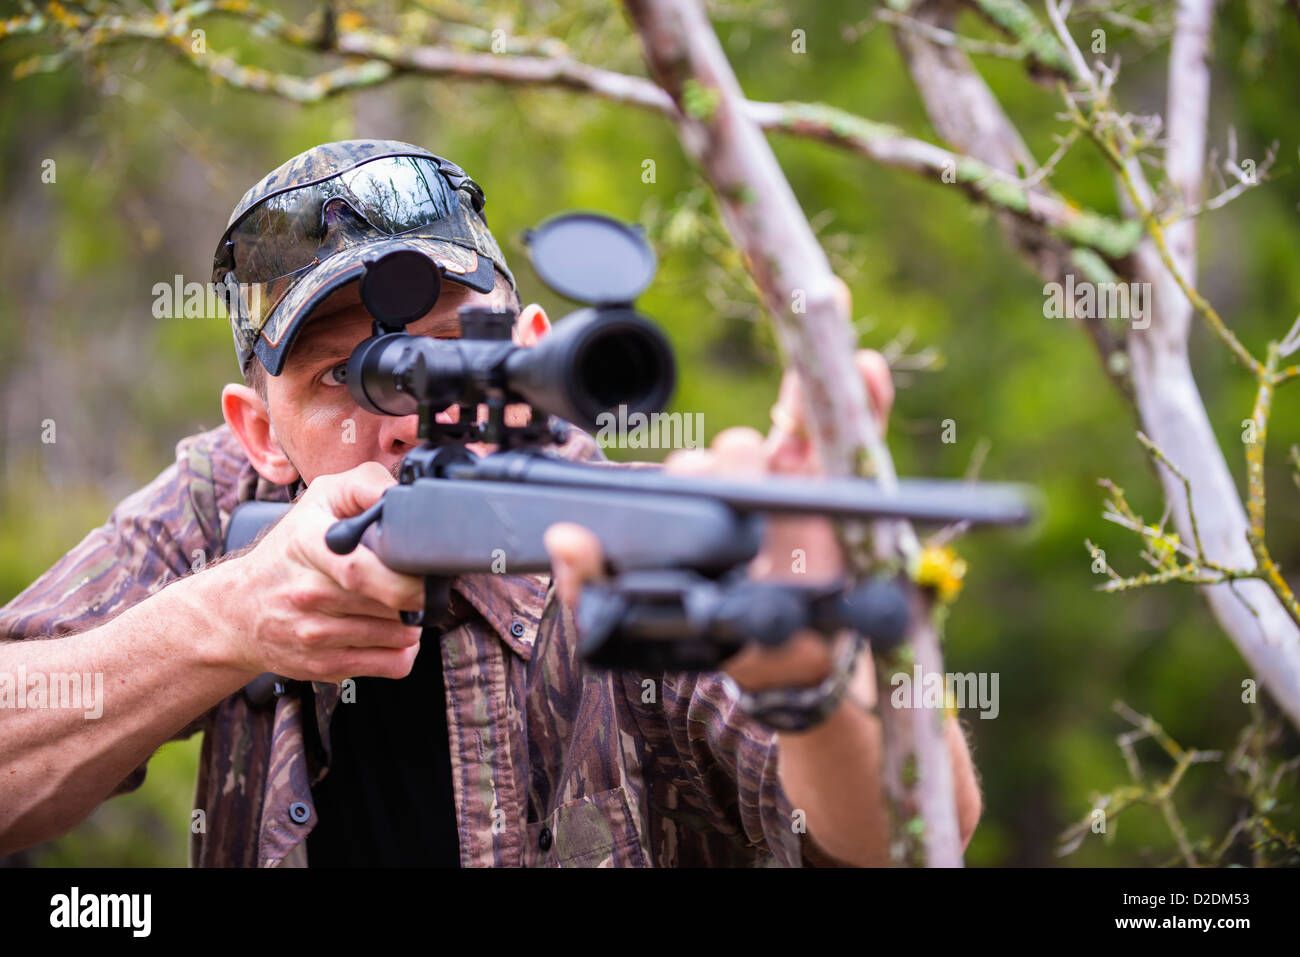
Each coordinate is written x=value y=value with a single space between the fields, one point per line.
x=592 y=362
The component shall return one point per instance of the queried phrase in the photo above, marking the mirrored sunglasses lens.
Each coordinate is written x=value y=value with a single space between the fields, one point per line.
x=396 y=194
x=257 y=300
x=279 y=237
x=400 y=193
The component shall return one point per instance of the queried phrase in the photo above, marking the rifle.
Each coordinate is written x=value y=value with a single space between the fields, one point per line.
x=677 y=597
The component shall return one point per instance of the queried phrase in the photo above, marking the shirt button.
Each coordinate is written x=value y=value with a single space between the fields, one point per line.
x=517 y=629
x=544 y=839
x=299 y=812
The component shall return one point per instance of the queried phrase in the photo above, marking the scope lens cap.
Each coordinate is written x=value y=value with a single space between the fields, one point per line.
x=400 y=287
x=591 y=258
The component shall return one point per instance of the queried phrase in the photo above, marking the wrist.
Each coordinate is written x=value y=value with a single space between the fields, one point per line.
x=217 y=615
x=803 y=708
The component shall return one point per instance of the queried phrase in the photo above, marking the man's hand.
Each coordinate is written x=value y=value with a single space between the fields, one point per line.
x=311 y=615
x=805 y=658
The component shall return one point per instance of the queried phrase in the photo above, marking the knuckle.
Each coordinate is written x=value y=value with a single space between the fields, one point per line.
x=306 y=596
x=350 y=575
x=689 y=461
x=738 y=435
x=309 y=631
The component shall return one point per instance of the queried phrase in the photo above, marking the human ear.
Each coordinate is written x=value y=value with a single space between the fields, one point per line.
x=531 y=325
x=247 y=416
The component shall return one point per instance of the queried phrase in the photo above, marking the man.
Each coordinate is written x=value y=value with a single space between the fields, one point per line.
x=484 y=743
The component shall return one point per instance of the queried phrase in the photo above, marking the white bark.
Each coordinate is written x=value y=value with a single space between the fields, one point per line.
x=764 y=218
x=1165 y=394
x=1168 y=400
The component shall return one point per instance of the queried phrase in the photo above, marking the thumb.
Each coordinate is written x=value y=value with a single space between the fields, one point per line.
x=352 y=492
x=576 y=558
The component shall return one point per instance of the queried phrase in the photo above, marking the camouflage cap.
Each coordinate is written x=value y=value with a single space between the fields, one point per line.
x=265 y=317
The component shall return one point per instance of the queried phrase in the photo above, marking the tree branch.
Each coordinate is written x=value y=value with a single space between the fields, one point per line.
x=784 y=258
x=1160 y=382
x=1014 y=18
x=388 y=57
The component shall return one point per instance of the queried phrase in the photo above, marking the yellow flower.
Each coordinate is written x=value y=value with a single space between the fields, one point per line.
x=1165 y=548
x=942 y=570
x=351 y=20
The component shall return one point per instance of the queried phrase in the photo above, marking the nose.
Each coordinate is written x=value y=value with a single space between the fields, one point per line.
x=398 y=434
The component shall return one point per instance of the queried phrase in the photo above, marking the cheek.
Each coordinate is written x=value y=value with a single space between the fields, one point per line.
x=331 y=436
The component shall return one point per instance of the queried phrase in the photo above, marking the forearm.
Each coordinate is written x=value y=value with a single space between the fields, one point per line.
x=833 y=774
x=153 y=669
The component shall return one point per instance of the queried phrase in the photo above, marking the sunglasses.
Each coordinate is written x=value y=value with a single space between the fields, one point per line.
x=280 y=236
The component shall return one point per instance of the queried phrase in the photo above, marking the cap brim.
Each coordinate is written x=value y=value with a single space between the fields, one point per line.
x=456 y=262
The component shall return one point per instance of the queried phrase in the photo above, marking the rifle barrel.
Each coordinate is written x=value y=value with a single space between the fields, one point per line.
x=920 y=500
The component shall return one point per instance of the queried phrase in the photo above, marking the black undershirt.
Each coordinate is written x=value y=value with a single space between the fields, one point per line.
x=387 y=798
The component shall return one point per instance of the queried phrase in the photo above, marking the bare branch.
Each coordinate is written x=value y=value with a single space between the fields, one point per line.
x=1159 y=794
x=1186 y=113
x=388 y=57
x=1015 y=19
x=1255 y=500
x=1072 y=52
x=782 y=254
x=1049 y=167
x=1245 y=181
x=949 y=38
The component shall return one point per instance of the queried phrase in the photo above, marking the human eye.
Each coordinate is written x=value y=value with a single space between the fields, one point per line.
x=335 y=375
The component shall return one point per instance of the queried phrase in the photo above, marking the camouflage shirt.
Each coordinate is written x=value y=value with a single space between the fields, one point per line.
x=554 y=764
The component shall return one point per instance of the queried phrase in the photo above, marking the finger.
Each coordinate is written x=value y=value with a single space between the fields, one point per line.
x=370 y=662
x=739 y=451
x=788 y=411
x=844 y=298
x=346 y=605
x=879 y=382
x=352 y=492
x=688 y=462
x=362 y=573
x=788 y=440
x=788 y=447
x=576 y=558
x=320 y=638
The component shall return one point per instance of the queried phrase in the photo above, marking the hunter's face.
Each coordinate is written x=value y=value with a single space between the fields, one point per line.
x=319 y=426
